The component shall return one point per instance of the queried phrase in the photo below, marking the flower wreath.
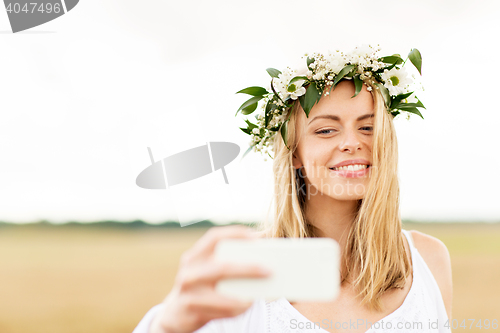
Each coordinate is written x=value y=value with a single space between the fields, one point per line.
x=362 y=66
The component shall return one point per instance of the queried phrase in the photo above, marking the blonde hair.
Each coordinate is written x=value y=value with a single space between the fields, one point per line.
x=374 y=248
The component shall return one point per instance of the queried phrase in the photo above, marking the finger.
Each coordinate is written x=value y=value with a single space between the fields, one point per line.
x=213 y=271
x=204 y=247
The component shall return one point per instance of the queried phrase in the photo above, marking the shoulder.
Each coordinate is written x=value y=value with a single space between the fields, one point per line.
x=436 y=256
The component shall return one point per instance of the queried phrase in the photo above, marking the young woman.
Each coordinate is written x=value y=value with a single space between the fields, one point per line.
x=335 y=177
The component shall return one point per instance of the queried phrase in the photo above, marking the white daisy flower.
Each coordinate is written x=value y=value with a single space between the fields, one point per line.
x=396 y=81
x=281 y=83
x=295 y=89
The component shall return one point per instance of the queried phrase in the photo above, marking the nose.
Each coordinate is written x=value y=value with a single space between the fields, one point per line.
x=350 y=142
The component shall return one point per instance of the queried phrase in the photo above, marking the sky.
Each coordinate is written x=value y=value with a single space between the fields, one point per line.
x=85 y=95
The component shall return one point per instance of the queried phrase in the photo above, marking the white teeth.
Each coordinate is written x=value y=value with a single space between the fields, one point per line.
x=352 y=167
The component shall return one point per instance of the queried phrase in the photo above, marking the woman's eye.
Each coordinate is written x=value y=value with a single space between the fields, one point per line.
x=367 y=128
x=323 y=131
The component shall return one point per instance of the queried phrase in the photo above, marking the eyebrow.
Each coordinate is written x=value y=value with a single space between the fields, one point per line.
x=337 y=118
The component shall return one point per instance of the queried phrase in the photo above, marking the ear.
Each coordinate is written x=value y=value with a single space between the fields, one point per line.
x=297 y=163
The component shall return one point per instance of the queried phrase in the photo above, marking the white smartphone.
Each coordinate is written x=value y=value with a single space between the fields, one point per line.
x=303 y=269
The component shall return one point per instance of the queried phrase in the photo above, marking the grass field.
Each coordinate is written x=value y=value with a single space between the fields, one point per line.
x=103 y=280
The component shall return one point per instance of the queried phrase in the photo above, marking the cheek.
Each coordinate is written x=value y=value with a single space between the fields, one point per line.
x=316 y=154
x=316 y=167
x=368 y=143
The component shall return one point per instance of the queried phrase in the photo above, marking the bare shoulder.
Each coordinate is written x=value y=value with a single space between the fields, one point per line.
x=436 y=256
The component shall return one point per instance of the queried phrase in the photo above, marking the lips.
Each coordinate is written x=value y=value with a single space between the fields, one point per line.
x=352 y=174
x=349 y=170
x=351 y=167
x=351 y=162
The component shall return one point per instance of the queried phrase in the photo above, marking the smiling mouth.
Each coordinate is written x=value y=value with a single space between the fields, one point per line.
x=351 y=167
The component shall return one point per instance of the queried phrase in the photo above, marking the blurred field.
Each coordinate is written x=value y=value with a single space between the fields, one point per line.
x=90 y=279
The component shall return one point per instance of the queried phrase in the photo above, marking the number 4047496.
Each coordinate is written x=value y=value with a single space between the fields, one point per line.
x=34 y=8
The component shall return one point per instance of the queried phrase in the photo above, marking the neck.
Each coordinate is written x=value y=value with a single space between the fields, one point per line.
x=331 y=217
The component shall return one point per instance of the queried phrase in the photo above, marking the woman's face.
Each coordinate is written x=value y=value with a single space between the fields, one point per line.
x=338 y=132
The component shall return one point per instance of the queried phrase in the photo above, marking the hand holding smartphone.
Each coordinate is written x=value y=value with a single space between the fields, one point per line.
x=303 y=269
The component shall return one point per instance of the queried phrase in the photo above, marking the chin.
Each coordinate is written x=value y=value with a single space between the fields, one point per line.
x=341 y=191
x=345 y=197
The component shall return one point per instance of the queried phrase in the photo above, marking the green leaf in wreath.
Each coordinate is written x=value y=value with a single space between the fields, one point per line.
x=391 y=66
x=249 y=109
x=246 y=130
x=248 y=150
x=254 y=91
x=284 y=132
x=298 y=78
x=391 y=59
x=310 y=98
x=414 y=110
x=346 y=70
x=408 y=105
x=270 y=107
x=250 y=125
x=249 y=105
x=273 y=72
x=309 y=62
x=419 y=104
x=275 y=128
x=395 y=113
x=358 y=84
x=397 y=99
x=350 y=74
x=416 y=59
x=385 y=94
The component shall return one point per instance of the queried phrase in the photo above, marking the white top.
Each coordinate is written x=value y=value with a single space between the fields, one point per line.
x=423 y=310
